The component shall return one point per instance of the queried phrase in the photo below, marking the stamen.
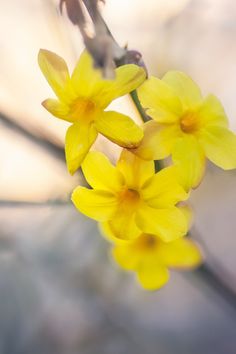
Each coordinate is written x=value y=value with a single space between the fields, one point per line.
x=129 y=198
x=189 y=122
x=147 y=241
x=82 y=108
x=131 y=195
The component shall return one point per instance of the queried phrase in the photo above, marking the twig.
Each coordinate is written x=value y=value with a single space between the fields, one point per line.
x=102 y=45
x=24 y=203
x=214 y=281
x=138 y=106
x=219 y=279
x=53 y=148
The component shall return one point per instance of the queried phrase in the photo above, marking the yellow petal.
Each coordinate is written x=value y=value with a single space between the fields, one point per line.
x=127 y=78
x=100 y=173
x=79 y=139
x=109 y=235
x=211 y=112
x=162 y=103
x=184 y=87
x=220 y=146
x=135 y=170
x=169 y=224
x=98 y=205
x=158 y=140
x=182 y=253
x=89 y=82
x=57 y=108
x=55 y=71
x=163 y=190
x=119 y=128
x=189 y=158
x=85 y=79
x=152 y=278
x=188 y=213
x=124 y=256
x=123 y=225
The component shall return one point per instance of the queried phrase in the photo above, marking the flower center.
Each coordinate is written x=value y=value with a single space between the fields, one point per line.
x=83 y=109
x=147 y=242
x=129 y=198
x=189 y=122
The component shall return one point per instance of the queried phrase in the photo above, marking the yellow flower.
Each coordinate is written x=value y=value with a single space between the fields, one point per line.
x=131 y=197
x=82 y=98
x=151 y=258
x=185 y=125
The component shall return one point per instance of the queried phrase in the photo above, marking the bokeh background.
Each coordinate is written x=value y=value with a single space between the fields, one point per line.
x=59 y=290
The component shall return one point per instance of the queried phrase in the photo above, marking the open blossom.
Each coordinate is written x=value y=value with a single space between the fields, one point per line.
x=131 y=198
x=151 y=258
x=186 y=126
x=82 y=99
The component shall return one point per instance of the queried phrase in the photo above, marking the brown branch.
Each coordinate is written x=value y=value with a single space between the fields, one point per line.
x=103 y=47
x=49 y=146
x=74 y=12
x=215 y=274
x=7 y=203
x=214 y=282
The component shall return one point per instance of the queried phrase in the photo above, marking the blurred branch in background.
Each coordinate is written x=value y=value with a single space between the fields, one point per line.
x=220 y=286
x=45 y=144
x=215 y=275
x=23 y=203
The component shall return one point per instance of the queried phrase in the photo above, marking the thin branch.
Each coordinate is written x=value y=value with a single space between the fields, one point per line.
x=102 y=46
x=138 y=106
x=7 y=203
x=216 y=283
x=219 y=280
x=56 y=150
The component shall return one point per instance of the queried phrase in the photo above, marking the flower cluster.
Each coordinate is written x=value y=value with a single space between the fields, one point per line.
x=140 y=210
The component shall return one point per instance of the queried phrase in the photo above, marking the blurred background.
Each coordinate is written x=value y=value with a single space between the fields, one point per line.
x=59 y=290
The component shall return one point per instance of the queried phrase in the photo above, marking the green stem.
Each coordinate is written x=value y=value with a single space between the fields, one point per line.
x=145 y=118
x=138 y=106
